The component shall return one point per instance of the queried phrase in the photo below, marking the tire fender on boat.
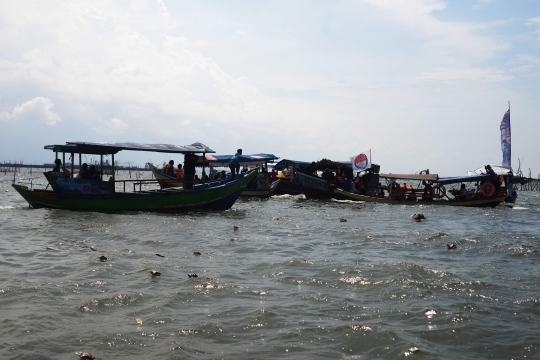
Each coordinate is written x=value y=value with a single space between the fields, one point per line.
x=487 y=189
x=439 y=191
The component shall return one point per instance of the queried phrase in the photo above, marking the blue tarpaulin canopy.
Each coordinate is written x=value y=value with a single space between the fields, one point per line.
x=223 y=160
x=300 y=165
x=462 y=179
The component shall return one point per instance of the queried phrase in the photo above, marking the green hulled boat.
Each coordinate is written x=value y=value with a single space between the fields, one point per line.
x=83 y=194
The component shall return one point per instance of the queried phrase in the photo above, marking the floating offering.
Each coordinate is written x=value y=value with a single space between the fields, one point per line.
x=193 y=275
x=343 y=220
x=451 y=246
x=418 y=217
x=155 y=273
x=138 y=320
x=84 y=355
x=93 y=248
x=197 y=253
x=236 y=227
x=102 y=258
x=414 y=349
x=160 y=255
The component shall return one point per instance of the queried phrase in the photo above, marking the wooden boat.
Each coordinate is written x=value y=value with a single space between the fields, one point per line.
x=315 y=187
x=259 y=187
x=289 y=185
x=80 y=194
x=484 y=198
x=475 y=202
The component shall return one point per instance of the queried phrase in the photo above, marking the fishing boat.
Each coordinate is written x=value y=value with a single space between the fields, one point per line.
x=322 y=187
x=260 y=187
x=76 y=193
x=433 y=193
x=289 y=185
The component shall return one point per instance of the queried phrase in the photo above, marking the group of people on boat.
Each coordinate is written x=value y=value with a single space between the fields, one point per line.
x=87 y=172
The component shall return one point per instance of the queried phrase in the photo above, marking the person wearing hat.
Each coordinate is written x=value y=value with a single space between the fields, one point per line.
x=234 y=163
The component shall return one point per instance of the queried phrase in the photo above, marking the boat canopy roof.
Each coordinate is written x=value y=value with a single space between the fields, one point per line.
x=113 y=148
x=223 y=160
x=285 y=163
x=420 y=177
x=499 y=170
x=462 y=179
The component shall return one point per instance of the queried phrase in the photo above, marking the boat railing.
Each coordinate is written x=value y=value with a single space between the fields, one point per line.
x=137 y=182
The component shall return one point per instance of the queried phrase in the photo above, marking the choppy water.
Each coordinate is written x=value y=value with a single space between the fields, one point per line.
x=292 y=282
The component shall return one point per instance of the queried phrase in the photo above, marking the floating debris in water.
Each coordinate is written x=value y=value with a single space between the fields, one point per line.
x=192 y=275
x=343 y=220
x=155 y=273
x=138 y=320
x=197 y=253
x=413 y=350
x=418 y=217
x=7 y=190
x=93 y=248
x=236 y=228
x=52 y=248
x=160 y=255
x=103 y=258
x=84 y=355
x=451 y=246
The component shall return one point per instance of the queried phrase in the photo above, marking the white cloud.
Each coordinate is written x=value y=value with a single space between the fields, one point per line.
x=468 y=74
x=535 y=22
x=38 y=109
x=4 y=116
x=527 y=65
x=113 y=126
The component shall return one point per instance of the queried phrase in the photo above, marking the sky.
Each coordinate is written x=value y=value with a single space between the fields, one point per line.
x=423 y=84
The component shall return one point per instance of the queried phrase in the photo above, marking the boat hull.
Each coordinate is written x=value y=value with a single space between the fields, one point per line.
x=475 y=202
x=170 y=200
x=317 y=188
x=288 y=187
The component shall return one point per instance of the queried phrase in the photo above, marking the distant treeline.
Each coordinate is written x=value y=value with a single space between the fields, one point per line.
x=14 y=166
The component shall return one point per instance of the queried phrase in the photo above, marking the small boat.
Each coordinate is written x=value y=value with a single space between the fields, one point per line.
x=315 y=187
x=259 y=187
x=81 y=194
x=485 y=196
x=289 y=185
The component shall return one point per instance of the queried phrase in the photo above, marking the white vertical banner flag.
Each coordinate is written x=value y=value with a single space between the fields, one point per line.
x=362 y=161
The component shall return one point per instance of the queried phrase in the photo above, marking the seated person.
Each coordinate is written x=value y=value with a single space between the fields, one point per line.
x=57 y=165
x=428 y=191
x=463 y=192
x=223 y=175
x=93 y=173
x=288 y=172
x=180 y=171
x=273 y=173
x=85 y=172
x=196 y=179
x=169 y=170
x=359 y=185
x=411 y=196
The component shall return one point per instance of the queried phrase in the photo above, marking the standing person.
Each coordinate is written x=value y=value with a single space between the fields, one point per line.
x=234 y=164
x=189 y=170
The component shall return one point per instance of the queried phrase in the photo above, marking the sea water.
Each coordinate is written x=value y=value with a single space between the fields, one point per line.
x=284 y=277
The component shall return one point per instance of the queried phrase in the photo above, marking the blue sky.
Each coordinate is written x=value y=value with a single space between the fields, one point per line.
x=422 y=83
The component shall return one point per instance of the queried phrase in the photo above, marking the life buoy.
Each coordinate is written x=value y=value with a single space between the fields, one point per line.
x=487 y=189
x=439 y=191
